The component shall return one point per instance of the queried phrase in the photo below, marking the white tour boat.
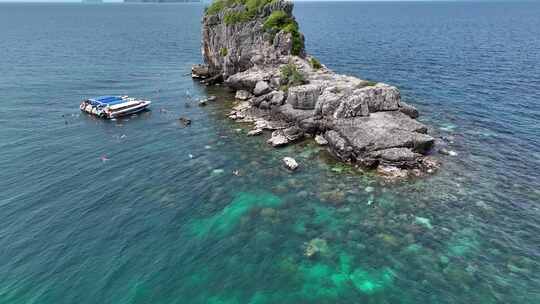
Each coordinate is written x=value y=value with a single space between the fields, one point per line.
x=113 y=106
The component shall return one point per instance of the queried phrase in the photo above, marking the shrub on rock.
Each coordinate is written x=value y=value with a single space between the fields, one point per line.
x=281 y=21
x=291 y=77
x=315 y=64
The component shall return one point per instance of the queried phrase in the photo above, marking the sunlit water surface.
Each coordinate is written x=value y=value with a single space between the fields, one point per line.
x=144 y=210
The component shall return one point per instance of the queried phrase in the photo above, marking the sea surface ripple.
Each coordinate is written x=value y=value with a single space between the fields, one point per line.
x=146 y=210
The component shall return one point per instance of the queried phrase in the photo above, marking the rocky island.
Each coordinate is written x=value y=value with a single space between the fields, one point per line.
x=255 y=48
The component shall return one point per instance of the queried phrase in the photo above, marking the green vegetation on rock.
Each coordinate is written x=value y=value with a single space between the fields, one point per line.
x=235 y=17
x=316 y=64
x=291 y=77
x=278 y=19
x=281 y=21
x=214 y=8
x=223 y=52
x=371 y=83
x=251 y=8
x=367 y=83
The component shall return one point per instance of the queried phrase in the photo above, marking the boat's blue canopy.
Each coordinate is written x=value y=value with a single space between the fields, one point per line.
x=105 y=100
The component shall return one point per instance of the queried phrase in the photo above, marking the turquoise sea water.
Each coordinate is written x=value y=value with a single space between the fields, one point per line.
x=143 y=210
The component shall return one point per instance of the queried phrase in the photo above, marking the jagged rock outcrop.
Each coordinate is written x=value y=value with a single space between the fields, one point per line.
x=258 y=51
x=233 y=42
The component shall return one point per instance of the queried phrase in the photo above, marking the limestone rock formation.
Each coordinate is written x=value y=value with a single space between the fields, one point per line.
x=234 y=36
x=256 y=48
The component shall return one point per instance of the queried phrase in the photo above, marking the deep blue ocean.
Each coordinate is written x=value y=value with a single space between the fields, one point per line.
x=145 y=210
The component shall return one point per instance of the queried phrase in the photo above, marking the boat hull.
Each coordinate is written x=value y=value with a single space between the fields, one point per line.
x=119 y=109
x=129 y=111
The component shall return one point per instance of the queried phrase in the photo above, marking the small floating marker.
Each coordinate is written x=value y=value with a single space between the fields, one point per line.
x=190 y=156
x=104 y=158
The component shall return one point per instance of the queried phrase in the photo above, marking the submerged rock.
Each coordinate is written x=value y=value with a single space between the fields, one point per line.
x=445 y=151
x=391 y=172
x=335 y=197
x=316 y=246
x=423 y=222
x=369 y=189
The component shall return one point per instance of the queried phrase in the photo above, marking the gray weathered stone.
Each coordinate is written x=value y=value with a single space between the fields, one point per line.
x=409 y=110
x=274 y=98
x=201 y=71
x=261 y=87
x=352 y=107
x=384 y=130
x=242 y=95
x=295 y=115
x=303 y=97
x=396 y=154
x=293 y=133
x=380 y=97
x=339 y=145
x=278 y=139
x=247 y=80
x=278 y=97
x=320 y=140
x=327 y=103
x=290 y=163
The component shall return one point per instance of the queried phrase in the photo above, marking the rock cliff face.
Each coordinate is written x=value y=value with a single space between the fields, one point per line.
x=232 y=45
x=255 y=48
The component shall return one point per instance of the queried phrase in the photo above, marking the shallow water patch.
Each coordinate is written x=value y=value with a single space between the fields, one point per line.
x=227 y=219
